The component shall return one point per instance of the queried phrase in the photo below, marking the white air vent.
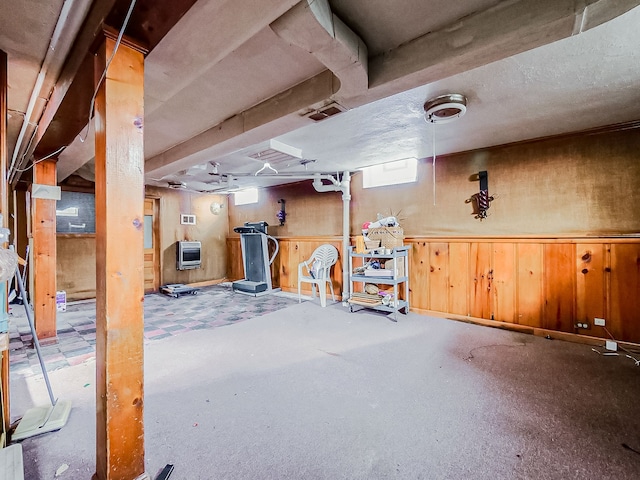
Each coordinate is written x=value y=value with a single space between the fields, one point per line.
x=325 y=112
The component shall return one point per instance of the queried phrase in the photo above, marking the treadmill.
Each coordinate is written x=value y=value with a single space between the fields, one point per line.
x=254 y=241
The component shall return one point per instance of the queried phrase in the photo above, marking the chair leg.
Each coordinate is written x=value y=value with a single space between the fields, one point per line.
x=322 y=291
x=299 y=297
x=333 y=297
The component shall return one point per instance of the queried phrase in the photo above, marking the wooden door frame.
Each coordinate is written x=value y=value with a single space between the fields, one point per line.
x=157 y=267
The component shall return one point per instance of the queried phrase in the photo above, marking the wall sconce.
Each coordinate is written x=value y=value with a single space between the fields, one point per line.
x=481 y=200
x=282 y=214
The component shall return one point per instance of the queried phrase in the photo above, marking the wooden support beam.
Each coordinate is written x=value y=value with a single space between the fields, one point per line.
x=4 y=159
x=119 y=264
x=44 y=253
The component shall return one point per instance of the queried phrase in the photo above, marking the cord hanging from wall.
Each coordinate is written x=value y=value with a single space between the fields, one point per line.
x=442 y=109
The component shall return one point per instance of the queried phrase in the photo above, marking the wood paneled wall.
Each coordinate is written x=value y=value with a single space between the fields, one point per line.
x=545 y=283
x=209 y=229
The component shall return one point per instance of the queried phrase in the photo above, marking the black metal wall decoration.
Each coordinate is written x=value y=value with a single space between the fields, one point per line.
x=481 y=200
x=282 y=214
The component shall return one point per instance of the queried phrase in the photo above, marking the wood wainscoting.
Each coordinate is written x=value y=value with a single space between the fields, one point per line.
x=542 y=283
x=531 y=283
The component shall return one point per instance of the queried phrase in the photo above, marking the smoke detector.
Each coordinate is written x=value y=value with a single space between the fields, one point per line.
x=445 y=108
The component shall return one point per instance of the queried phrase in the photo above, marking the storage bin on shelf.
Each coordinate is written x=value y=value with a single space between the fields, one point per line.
x=389 y=237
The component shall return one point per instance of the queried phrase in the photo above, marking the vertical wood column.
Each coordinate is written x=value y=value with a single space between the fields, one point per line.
x=44 y=253
x=119 y=264
x=4 y=364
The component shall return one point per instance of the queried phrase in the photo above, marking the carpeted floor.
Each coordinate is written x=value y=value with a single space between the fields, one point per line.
x=164 y=316
x=311 y=393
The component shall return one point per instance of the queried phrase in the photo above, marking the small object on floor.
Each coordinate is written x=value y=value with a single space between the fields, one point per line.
x=177 y=289
x=166 y=472
x=61 y=469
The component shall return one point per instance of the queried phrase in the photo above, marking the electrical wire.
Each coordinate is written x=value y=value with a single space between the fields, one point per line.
x=33 y=164
x=104 y=72
x=433 y=162
x=91 y=106
x=627 y=352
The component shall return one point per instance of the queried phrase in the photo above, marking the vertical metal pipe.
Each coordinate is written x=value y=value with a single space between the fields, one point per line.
x=346 y=223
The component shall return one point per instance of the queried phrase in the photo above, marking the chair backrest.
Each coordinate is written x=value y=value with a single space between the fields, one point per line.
x=327 y=255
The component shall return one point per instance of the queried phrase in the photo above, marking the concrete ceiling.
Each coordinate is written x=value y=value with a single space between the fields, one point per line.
x=229 y=77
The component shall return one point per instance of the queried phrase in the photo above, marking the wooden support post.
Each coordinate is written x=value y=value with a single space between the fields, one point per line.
x=4 y=364
x=119 y=263
x=44 y=253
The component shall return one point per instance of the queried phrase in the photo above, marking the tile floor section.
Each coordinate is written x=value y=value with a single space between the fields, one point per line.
x=214 y=306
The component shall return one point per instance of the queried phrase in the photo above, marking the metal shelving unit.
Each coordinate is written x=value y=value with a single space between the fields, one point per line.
x=398 y=254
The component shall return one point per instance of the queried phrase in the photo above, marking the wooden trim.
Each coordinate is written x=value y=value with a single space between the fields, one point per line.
x=527 y=239
x=75 y=235
x=539 y=332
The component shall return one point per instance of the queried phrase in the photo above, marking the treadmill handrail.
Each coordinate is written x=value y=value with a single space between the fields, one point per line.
x=277 y=248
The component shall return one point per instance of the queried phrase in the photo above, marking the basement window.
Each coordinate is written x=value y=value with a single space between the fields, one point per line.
x=390 y=173
x=76 y=213
x=246 y=196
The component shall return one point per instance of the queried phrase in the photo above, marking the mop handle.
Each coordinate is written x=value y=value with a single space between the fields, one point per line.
x=27 y=309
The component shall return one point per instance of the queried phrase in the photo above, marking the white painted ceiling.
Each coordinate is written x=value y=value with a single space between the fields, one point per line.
x=230 y=76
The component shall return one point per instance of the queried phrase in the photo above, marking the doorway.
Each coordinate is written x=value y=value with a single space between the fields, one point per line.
x=151 y=245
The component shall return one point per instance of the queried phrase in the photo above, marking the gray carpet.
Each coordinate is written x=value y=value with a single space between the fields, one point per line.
x=312 y=393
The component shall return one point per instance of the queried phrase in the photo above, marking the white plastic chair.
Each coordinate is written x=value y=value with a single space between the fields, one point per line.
x=319 y=272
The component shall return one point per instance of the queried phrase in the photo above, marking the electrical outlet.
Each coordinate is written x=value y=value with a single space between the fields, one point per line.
x=599 y=322
x=582 y=325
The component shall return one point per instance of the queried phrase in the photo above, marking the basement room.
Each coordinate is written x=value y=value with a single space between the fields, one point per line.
x=319 y=239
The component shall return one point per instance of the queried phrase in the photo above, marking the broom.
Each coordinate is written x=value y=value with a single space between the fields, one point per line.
x=47 y=418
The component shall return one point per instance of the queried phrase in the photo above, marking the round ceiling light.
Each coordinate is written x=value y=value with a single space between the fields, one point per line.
x=445 y=108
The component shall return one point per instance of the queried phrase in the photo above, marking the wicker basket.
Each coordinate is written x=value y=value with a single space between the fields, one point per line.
x=389 y=236
x=371 y=244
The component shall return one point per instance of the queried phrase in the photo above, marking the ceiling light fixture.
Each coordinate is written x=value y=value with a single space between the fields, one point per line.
x=443 y=109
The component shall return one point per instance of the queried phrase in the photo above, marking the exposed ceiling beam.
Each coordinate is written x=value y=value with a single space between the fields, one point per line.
x=275 y=116
x=67 y=111
x=499 y=32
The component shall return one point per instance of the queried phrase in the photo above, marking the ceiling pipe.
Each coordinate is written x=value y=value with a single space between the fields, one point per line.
x=69 y=22
x=343 y=186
